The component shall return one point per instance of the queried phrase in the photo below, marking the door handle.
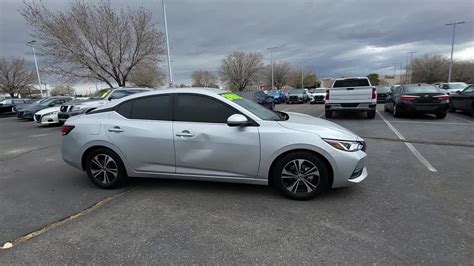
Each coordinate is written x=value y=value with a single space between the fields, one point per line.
x=185 y=133
x=116 y=129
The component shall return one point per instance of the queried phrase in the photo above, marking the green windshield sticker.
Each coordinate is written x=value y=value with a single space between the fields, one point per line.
x=231 y=96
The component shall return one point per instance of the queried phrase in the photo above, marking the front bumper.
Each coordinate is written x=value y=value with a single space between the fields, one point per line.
x=26 y=115
x=293 y=99
x=317 y=99
x=349 y=168
x=46 y=119
x=350 y=106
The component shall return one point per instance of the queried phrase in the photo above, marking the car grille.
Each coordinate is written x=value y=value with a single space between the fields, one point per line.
x=295 y=98
x=38 y=118
x=318 y=98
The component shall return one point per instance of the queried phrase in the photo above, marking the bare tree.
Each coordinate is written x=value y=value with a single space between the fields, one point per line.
x=63 y=90
x=15 y=76
x=203 y=78
x=309 y=79
x=147 y=76
x=430 y=69
x=281 y=74
x=463 y=71
x=239 y=69
x=94 y=41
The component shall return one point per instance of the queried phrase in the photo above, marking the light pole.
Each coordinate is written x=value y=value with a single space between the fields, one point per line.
x=452 y=47
x=411 y=67
x=31 y=43
x=302 y=77
x=271 y=61
x=167 y=44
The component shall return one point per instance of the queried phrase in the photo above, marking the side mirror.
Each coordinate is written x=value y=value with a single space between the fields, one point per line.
x=237 y=120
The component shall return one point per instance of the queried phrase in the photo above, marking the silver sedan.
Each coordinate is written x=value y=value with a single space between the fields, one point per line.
x=213 y=135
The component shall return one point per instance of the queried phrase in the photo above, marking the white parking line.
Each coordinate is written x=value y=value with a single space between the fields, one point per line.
x=321 y=115
x=409 y=145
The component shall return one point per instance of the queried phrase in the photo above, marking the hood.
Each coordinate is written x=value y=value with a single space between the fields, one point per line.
x=295 y=94
x=89 y=103
x=33 y=108
x=318 y=93
x=318 y=126
x=48 y=110
x=24 y=106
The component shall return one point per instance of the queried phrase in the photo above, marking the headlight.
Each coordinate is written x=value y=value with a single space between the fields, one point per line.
x=51 y=113
x=345 y=145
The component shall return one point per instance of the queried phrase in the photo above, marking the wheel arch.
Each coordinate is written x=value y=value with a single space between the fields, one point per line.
x=315 y=153
x=99 y=145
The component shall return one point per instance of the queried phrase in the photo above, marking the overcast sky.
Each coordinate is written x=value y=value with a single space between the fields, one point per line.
x=333 y=38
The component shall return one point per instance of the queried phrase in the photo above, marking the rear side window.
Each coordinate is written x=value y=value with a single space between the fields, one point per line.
x=148 y=108
x=197 y=108
x=351 y=83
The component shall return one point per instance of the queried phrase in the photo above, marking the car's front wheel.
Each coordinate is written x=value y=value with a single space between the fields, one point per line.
x=300 y=175
x=328 y=114
x=105 y=168
x=395 y=111
x=441 y=115
x=371 y=114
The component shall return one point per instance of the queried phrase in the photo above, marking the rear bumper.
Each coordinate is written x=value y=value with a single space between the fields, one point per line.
x=350 y=106
x=423 y=108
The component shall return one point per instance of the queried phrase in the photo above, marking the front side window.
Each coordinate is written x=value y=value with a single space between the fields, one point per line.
x=7 y=101
x=199 y=108
x=157 y=107
x=255 y=108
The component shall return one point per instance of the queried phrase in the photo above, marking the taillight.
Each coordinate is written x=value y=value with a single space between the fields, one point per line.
x=442 y=97
x=408 y=97
x=66 y=129
x=374 y=93
x=327 y=95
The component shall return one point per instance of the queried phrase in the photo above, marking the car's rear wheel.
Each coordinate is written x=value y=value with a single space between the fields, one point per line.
x=441 y=115
x=385 y=108
x=395 y=111
x=105 y=168
x=300 y=175
x=328 y=114
x=371 y=114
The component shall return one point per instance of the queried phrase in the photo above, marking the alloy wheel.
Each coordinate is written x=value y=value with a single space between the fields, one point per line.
x=300 y=176
x=103 y=168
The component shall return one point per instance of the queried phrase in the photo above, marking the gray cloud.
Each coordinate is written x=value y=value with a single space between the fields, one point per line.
x=332 y=37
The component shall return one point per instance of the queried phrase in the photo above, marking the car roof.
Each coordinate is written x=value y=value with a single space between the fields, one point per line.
x=351 y=78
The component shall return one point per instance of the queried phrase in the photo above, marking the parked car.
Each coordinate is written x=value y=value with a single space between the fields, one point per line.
x=47 y=116
x=297 y=96
x=259 y=97
x=20 y=106
x=417 y=98
x=28 y=112
x=453 y=87
x=101 y=97
x=354 y=94
x=7 y=105
x=277 y=95
x=317 y=95
x=382 y=93
x=213 y=135
x=463 y=100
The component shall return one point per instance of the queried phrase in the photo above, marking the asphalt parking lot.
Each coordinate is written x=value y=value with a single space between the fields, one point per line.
x=416 y=206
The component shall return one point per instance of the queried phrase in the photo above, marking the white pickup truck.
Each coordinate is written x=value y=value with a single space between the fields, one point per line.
x=351 y=94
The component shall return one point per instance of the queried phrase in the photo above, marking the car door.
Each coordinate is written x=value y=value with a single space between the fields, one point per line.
x=141 y=128
x=465 y=99
x=206 y=145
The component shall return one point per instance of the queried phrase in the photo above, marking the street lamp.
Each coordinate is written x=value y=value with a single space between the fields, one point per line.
x=452 y=47
x=271 y=61
x=411 y=67
x=167 y=44
x=31 y=43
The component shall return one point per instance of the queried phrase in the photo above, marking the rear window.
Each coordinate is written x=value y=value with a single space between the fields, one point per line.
x=421 y=89
x=351 y=83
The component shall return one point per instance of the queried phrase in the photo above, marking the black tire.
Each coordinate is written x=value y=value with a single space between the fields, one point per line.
x=105 y=180
x=328 y=114
x=395 y=112
x=385 y=108
x=293 y=186
x=371 y=114
x=441 y=115
x=451 y=108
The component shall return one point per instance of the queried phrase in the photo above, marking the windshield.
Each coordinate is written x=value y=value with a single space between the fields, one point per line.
x=296 y=91
x=47 y=102
x=458 y=86
x=101 y=94
x=382 y=88
x=273 y=93
x=255 y=108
